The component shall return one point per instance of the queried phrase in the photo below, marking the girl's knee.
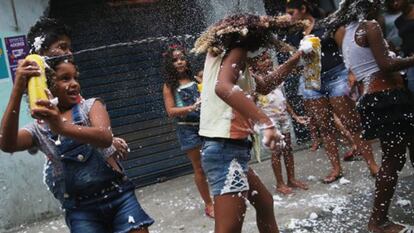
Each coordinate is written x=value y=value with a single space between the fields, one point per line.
x=265 y=201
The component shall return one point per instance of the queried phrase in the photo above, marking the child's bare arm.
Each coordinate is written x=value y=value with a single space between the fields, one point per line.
x=98 y=134
x=225 y=87
x=380 y=51
x=12 y=139
x=267 y=83
x=170 y=105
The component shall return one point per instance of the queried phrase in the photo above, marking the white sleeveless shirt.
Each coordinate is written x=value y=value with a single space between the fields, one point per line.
x=218 y=119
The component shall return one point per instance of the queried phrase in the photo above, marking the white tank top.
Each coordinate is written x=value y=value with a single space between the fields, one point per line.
x=358 y=59
x=217 y=118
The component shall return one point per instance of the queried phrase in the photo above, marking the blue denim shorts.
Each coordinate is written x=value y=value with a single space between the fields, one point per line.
x=334 y=83
x=120 y=215
x=225 y=163
x=188 y=136
x=410 y=78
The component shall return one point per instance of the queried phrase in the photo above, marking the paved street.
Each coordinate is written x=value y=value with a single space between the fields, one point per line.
x=340 y=207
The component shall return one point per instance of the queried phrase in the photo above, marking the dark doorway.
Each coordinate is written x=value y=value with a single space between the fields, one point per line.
x=129 y=78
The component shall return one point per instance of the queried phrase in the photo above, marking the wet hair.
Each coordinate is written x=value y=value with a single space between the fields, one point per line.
x=389 y=4
x=311 y=7
x=45 y=32
x=51 y=66
x=171 y=74
x=247 y=31
x=349 y=11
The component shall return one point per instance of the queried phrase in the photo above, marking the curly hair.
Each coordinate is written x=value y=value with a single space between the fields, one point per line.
x=52 y=64
x=248 y=31
x=45 y=32
x=171 y=74
x=349 y=11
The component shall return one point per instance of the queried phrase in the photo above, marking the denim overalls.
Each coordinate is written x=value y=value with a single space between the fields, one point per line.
x=188 y=125
x=185 y=97
x=85 y=177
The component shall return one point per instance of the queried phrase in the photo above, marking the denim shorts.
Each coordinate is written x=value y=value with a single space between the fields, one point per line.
x=410 y=78
x=225 y=163
x=118 y=215
x=188 y=136
x=334 y=83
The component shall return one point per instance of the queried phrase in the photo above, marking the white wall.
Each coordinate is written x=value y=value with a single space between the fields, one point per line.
x=23 y=195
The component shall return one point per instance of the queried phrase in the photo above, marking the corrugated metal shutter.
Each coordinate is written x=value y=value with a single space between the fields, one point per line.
x=129 y=79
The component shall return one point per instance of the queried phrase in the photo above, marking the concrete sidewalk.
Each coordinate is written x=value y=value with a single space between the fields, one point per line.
x=342 y=207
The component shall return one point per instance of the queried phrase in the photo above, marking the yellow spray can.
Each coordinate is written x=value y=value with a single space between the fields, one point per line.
x=312 y=68
x=200 y=87
x=37 y=85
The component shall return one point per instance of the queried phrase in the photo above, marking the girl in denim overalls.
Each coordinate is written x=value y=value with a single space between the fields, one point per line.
x=181 y=99
x=96 y=197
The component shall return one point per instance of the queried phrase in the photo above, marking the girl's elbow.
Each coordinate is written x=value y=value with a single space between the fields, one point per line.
x=170 y=114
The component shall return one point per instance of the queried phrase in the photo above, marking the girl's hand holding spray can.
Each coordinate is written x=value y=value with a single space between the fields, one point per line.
x=37 y=87
x=311 y=46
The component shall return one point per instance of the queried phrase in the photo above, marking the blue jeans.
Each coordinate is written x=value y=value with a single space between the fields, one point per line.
x=225 y=163
x=118 y=215
x=334 y=83
x=410 y=78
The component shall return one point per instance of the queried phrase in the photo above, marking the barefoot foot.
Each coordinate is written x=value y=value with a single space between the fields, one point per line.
x=334 y=176
x=284 y=189
x=297 y=184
